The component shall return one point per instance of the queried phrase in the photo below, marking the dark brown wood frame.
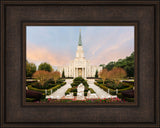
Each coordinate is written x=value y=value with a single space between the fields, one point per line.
x=9 y=120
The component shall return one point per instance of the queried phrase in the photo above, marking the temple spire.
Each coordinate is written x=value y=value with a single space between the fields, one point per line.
x=80 y=40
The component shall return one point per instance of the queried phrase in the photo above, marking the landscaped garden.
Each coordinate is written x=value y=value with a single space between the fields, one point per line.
x=109 y=100
x=44 y=84
x=77 y=81
x=111 y=82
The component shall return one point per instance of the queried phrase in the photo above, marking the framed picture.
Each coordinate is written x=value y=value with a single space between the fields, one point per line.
x=61 y=77
x=79 y=63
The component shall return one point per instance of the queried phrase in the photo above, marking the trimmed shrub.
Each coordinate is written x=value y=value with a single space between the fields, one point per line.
x=121 y=96
x=100 y=81
x=85 y=83
x=129 y=99
x=86 y=89
x=112 y=91
x=127 y=88
x=33 y=94
x=49 y=81
x=48 y=90
x=85 y=93
x=78 y=79
x=45 y=86
x=128 y=93
x=60 y=81
x=112 y=85
x=91 y=90
x=73 y=89
x=68 y=91
x=30 y=99
x=74 y=93
x=75 y=84
x=48 y=84
x=129 y=82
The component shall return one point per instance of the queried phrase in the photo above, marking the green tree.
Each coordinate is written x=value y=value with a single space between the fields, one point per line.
x=127 y=64
x=30 y=69
x=63 y=75
x=45 y=66
x=96 y=74
x=110 y=65
x=102 y=65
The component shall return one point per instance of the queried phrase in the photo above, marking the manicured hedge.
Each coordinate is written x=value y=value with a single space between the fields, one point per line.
x=119 y=95
x=48 y=90
x=86 y=89
x=85 y=83
x=78 y=79
x=129 y=99
x=75 y=84
x=91 y=90
x=114 y=86
x=68 y=91
x=33 y=94
x=105 y=88
x=123 y=97
x=100 y=81
x=74 y=93
x=73 y=89
x=30 y=99
x=85 y=93
x=128 y=93
x=112 y=91
x=46 y=86
x=129 y=82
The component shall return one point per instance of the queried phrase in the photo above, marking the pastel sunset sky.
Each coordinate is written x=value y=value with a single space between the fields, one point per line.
x=57 y=45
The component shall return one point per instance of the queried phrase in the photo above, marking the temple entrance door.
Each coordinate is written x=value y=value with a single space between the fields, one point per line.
x=80 y=72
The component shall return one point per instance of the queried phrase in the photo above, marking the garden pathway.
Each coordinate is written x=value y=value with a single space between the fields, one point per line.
x=58 y=94
x=99 y=92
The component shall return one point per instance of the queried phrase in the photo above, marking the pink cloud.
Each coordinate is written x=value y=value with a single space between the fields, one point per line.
x=39 y=54
x=112 y=53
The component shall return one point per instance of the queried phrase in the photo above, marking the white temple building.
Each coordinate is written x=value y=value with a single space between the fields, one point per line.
x=79 y=66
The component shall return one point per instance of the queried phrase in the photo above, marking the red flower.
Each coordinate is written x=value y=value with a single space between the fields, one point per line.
x=49 y=99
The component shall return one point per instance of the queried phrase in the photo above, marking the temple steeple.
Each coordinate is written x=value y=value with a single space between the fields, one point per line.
x=80 y=53
x=80 y=40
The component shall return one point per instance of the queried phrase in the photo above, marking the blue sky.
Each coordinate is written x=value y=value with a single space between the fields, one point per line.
x=57 y=45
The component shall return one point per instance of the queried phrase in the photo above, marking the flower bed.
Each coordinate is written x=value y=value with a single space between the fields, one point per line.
x=127 y=95
x=110 y=100
x=33 y=95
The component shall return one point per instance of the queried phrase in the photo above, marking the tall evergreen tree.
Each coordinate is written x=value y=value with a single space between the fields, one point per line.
x=63 y=75
x=96 y=74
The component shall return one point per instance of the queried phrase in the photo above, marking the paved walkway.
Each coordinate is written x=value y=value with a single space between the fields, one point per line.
x=58 y=94
x=99 y=92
